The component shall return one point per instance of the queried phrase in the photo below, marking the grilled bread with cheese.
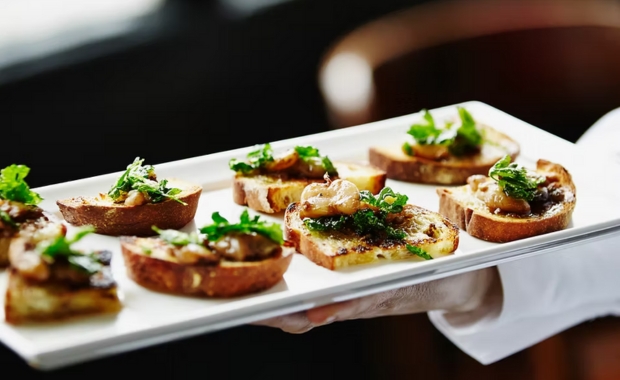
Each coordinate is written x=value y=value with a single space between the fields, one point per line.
x=447 y=162
x=227 y=263
x=484 y=210
x=335 y=226
x=135 y=203
x=271 y=184
x=57 y=284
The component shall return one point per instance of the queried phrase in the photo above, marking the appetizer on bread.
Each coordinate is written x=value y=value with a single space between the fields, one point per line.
x=51 y=281
x=19 y=214
x=137 y=201
x=446 y=154
x=221 y=260
x=336 y=225
x=269 y=183
x=512 y=202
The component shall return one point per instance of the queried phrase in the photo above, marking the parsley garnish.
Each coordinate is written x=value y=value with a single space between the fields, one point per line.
x=221 y=227
x=142 y=178
x=418 y=252
x=178 y=238
x=14 y=188
x=462 y=140
x=310 y=154
x=61 y=247
x=514 y=179
x=258 y=158
x=366 y=221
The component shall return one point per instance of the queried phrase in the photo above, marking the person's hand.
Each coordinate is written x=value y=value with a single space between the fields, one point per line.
x=465 y=296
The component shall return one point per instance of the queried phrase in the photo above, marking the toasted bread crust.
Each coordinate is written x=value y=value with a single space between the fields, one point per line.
x=27 y=301
x=481 y=223
x=227 y=279
x=271 y=194
x=453 y=171
x=428 y=230
x=118 y=219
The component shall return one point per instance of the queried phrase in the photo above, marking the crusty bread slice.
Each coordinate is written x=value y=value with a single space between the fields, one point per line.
x=450 y=171
x=226 y=279
x=472 y=215
x=114 y=219
x=27 y=301
x=425 y=229
x=273 y=194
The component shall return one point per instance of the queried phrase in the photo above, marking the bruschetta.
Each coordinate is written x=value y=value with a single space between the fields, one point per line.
x=137 y=201
x=511 y=202
x=336 y=225
x=219 y=260
x=269 y=182
x=20 y=215
x=444 y=154
x=52 y=281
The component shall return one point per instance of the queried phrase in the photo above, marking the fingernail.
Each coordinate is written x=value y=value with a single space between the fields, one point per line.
x=330 y=319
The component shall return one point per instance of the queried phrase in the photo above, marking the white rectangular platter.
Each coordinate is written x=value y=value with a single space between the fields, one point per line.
x=150 y=318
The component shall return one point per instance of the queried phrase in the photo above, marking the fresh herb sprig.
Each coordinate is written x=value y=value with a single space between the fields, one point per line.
x=259 y=157
x=221 y=226
x=459 y=141
x=418 y=252
x=366 y=220
x=515 y=179
x=310 y=155
x=141 y=178
x=61 y=247
x=13 y=187
x=256 y=159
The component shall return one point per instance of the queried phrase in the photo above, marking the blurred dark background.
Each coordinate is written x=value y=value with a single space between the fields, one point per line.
x=173 y=79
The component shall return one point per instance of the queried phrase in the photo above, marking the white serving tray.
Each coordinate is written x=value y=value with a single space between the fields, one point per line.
x=150 y=318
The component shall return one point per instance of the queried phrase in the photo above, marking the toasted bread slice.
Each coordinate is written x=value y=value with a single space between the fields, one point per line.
x=472 y=215
x=27 y=301
x=452 y=170
x=160 y=271
x=118 y=219
x=425 y=229
x=273 y=194
x=39 y=292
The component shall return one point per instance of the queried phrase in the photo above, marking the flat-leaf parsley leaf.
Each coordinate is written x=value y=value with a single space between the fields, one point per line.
x=514 y=179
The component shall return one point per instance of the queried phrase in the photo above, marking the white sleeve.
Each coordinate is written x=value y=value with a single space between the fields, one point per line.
x=547 y=294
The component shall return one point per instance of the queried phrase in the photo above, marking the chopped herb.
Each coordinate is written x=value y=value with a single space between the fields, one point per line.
x=514 y=179
x=178 y=238
x=14 y=188
x=366 y=221
x=467 y=138
x=387 y=200
x=143 y=179
x=419 y=252
x=462 y=140
x=327 y=223
x=258 y=158
x=61 y=247
x=309 y=155
x=221 y=227
x=146 y=250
